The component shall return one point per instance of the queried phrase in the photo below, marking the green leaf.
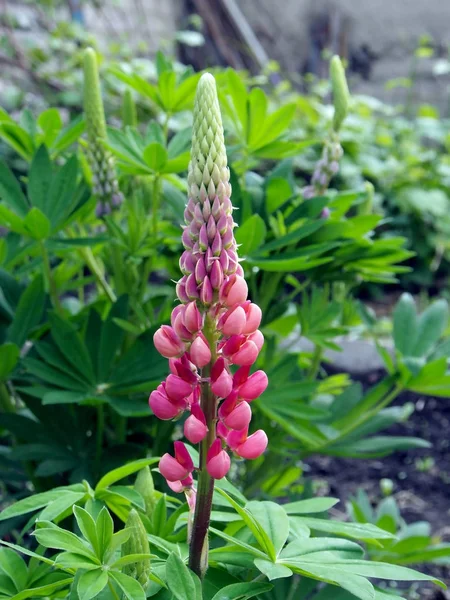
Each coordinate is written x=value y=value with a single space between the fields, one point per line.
x=37 y=224
x=238 y=93
x=69 y=342
x=132 y=589
x=51 y=123
x=273 y=519
x=68 y=560
x=242 y=591
x=14 y=566
x=55 y=537
x=311 y=505
x=272 y=570
x=278 y=190
x=61 y=193
x=293 y=237
x=255 y=527
x=405 y=324
x=250 y=235
x=68 y=135
x=92 y=583
x=430 y=326
x=39 y=179
x=11 y=193
x=111 y=338
x=180 y=580
x=29 y=311
x=43 y=590
x=105 y=529
x=9 y=355
x=59 y=506
x=358 y=531
x=122 y=472
x=36 y=501
x=155 y=156
x=87 y=527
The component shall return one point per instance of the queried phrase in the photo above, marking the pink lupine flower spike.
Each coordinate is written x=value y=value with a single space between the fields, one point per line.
x=214 y=327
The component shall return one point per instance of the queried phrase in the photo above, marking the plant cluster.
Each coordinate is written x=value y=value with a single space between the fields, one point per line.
x=91 y=242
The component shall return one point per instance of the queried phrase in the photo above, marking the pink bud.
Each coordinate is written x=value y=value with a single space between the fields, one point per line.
x=177 y=367
x=216 y=275
x=224 y=260
x=209 y=259
x=176 y=388
x=221 y=379
x=195 y=429
x=239 y=271
x=255 y=385
x=228 y=238
x=200 y=352
x=211 y=228
x=183 y=457
x=237 y=437
x=234 y=291
x=192 y=317
x=239 y=417
x=232 y=345
x=222 y=431
x=246 y=355
x=203 y=238
x=216 y=208
x=168 y=343
x=162 y=407
x=253 y=446
x=191 y=287
x=200 y=271
x=206 y=209
x=257 y=338
x=254 y=315
x=206 y=292
x=241 y=376
x=198 y=215
x=180 y=329
x=222 y=224
x=176 y=486
x=216 y=246
x=217 y=460
x=233 y=321
x=187 y=239
x=181 y=290
x=178 y=468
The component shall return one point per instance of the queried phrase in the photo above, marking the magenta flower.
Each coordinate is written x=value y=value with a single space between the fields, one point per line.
x=214 y=328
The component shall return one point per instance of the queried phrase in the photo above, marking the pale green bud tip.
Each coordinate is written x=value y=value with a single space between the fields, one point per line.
x=93 y=104
x=129 y=116
x=341 y=94
x=144 y=486
x=208 y=174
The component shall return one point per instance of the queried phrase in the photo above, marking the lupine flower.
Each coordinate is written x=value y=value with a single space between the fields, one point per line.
x=214 y=327
x=101 y=161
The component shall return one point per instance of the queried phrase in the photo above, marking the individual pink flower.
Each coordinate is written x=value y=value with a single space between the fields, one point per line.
x=217 y=462
x=178 y=468
x=168 y=343
x=195 y=428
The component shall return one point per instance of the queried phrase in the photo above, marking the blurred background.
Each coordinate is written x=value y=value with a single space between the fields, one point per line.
x=395 y=51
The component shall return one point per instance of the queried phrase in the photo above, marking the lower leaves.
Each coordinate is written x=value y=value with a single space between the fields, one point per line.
x=258 y=549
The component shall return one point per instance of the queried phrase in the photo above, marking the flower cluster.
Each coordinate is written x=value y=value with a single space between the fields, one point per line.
x=101 y=161
x=215 y=326
x=326 y=168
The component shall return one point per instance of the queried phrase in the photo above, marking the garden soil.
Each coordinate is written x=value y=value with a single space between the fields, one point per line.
x=421 y=477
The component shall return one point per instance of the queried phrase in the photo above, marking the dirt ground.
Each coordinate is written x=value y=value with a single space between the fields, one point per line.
x=421 y=477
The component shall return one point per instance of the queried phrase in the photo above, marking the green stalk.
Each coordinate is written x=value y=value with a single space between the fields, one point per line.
x=156 y=190
x=99 y=436
x=315 y=364
x=198 y=550
x=113 y=591
x=269 y=285
x=6 y=403
x=93 y=265
x=121 y=429
x=50 y=284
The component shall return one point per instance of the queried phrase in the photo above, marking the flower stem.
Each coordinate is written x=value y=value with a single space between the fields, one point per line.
x=155 y=206
x=49 y=281
x=99 y=436
x=198 y=551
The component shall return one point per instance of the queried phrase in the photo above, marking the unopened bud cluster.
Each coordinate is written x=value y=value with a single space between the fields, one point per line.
x=215 y=326
x=326 y=168
x=101 y=161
